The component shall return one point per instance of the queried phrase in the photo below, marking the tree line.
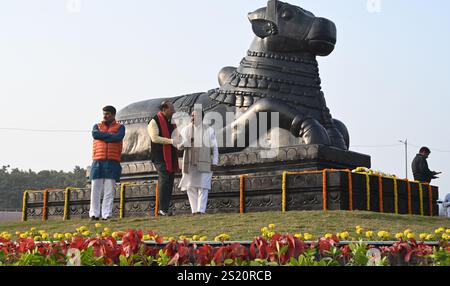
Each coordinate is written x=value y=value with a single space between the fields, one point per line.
x=13 y=182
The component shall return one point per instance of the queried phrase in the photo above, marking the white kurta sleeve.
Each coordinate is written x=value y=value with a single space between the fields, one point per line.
x=212 y=134
x=185 y=138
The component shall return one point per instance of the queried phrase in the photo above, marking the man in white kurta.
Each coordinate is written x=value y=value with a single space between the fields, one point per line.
x=199 y=157
x=446 y=205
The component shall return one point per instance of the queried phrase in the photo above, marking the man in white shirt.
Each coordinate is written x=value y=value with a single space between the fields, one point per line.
x=201 y=155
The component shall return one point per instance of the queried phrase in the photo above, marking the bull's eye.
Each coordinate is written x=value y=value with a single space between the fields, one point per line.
x=287 y=14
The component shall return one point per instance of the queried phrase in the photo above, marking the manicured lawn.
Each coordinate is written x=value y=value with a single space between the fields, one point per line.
x=247 y=226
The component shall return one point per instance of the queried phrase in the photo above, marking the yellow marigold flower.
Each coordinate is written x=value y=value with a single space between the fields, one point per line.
x=448 y=231
x=33 y=229
x=56 y=235
x=381 y=234
x=411 y=235
x=307 y=236
x=6 y=236
x=18 y=233
x=359 y=231
x=171 y=238
x=37 y=238
x=183 y=237
x=369 y=234
x=328 y=235
x=445 y=236
x=439 y=230
x=358 y=226
x=146 y=237
x=399 y=235
x=298 y=235
x=222 y=237
x=86 y=233
x=23 y=235
x=423 y=236
x=429 y=237
x=344 y=235
x=270 y=234
x=98 y=225
x=203 y=238
x=82 y=229
x=44 y=235
x=107 y=229
x=115 y=235
x=271 y=226
x=407 y=231
x=264 y=230
x=41 y=232
x=75 y=234
x=196 y=237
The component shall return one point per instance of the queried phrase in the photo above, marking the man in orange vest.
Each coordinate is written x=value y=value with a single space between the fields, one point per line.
x=106 y=169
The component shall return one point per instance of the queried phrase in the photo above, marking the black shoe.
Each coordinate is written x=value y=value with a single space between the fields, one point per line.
x=108 y=218
x=93 y=218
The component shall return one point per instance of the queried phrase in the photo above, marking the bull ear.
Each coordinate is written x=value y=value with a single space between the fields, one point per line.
x=321 y=38
x=225 y=74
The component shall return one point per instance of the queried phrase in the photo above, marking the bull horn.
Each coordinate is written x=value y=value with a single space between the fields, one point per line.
x=271 y=14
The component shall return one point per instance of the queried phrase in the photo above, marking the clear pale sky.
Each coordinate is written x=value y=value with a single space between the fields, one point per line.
x=387 y=80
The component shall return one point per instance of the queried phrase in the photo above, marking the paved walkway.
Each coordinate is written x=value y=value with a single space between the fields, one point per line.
x=10 y=216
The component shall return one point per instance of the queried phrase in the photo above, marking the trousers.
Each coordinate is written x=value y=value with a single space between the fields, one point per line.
x=99 y=187
x=198 y=199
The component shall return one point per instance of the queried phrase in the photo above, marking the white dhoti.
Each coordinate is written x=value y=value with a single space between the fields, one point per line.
x=198 y=199
x=197 y=186
x=99 y=186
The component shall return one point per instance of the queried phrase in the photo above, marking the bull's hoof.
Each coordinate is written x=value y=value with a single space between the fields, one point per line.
x=310 y=130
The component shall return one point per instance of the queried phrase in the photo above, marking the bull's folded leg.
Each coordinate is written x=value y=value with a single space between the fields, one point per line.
x=311 y=131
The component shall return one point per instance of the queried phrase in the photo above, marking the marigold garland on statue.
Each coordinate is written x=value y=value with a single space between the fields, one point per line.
x=430 y=199
x=421 y=198
x=395 y=195
x=380 y=193
x=66 y=203
x=368 y=191
x=44 y=206
x=350 y=190
x=122 y=201
x=324 y=189
x=283 y=192
x=408 y=183
x=156 y=199
x=24 y=206
x=241 y=194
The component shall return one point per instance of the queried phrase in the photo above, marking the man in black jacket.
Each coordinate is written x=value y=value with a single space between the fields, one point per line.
x=420 y=167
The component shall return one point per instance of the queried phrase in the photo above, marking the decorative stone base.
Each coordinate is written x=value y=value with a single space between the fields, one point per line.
x=262 y=187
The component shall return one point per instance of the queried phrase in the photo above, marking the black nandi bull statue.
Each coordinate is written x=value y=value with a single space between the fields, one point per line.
x=279 y=74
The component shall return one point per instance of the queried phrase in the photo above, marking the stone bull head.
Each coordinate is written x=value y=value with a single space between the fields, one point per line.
x=287 y=28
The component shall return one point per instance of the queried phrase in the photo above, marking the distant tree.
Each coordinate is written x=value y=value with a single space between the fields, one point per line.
x=14 y=181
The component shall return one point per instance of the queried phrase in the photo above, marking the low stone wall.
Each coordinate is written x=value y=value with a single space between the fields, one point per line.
x=262 y=188
x=261 y=192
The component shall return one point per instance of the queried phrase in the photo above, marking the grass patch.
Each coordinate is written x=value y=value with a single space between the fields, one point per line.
x=247 y=226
